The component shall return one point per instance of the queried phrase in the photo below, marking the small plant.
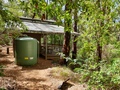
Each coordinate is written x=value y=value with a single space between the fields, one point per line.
x=74 y=63
x=65 y=73
x=2 y=89
x=1 y=70
x=0 y=48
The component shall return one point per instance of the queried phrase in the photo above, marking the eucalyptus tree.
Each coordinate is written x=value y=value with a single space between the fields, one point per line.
x=33 y=8
x=57 y=10
x=75 y=27
x=68 y=28
x=8 y=17
x=99 y=24
x=65 y=10
x=8 y=21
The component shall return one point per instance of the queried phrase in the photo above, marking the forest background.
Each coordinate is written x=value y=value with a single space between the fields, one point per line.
x=95 y=53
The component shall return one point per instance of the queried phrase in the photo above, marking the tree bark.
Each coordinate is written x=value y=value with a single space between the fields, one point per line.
x=99 y=54
x=66 y=44
x=67 y=35
x=99 y=46
x=74 y=51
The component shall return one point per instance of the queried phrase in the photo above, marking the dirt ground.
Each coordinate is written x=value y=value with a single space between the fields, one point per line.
x=37 y=77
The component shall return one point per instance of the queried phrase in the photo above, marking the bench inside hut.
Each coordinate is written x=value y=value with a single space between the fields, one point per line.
x=53 y=45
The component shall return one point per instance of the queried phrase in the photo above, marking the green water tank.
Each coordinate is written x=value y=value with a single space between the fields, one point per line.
x=26 y=51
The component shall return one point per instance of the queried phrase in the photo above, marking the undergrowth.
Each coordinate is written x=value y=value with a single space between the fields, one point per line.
x=65 y=73
x=1 y=70
x=108 y=78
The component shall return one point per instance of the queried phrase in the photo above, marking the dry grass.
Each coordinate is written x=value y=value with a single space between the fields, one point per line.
x=65 y=73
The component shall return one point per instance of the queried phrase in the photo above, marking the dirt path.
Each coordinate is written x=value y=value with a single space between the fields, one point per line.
x=37 y=77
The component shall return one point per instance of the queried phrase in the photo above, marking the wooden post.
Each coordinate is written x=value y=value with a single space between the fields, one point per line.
x=40 y=45
x=46 y=47
x=7 y=50
x=14 y=47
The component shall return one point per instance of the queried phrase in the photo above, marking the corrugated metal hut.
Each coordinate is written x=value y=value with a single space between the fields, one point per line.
x=48 y=34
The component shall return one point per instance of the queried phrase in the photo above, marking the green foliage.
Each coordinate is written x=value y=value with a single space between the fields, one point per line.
x=1 y=70
x=108 y=78
x=55 y=12
x=29 y=7
x=98 y=24
x=5 y=39
x=65 y=73
x=55 y=39
x=8 y=35
x=2 y=89
x=9 y=19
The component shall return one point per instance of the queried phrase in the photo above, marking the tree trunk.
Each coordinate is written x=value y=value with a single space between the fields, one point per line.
x=67 y=35
x=66 y=44
x=74 y=51
x=99 y=54
x=99 y=46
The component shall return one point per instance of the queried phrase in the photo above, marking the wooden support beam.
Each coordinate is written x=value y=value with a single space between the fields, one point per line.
x=46 y=47
x=7 y=50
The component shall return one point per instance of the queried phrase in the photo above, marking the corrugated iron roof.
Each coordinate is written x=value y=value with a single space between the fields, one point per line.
x=43 y=27
x=47 y=26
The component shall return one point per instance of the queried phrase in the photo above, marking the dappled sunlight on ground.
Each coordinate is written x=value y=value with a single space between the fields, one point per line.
x=36 y=77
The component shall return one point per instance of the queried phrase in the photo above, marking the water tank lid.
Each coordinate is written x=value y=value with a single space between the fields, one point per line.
x=25 y=38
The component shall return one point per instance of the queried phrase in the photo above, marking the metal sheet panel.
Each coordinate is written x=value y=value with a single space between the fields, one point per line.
x=43 y=27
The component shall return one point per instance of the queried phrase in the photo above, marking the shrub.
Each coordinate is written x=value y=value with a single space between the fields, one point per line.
x=1 y=70
x=108 y=78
